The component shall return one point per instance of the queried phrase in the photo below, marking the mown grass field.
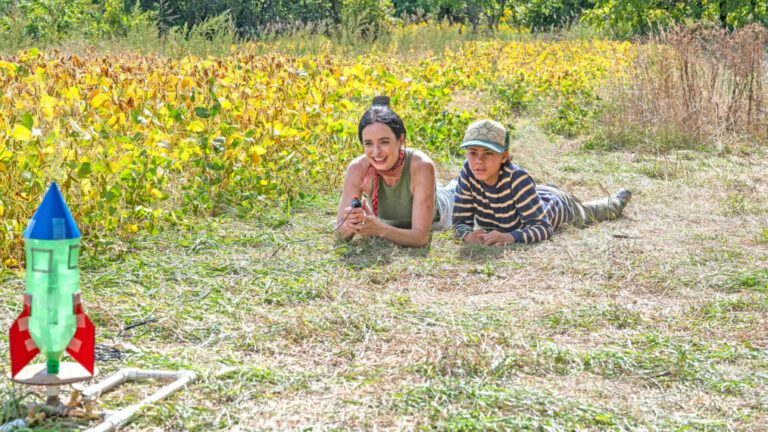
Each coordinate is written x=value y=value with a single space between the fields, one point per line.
x=201 y=252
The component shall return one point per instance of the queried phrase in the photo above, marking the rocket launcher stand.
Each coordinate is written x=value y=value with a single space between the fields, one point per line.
x=37 y=375
x=83 y=402
x=69 y=373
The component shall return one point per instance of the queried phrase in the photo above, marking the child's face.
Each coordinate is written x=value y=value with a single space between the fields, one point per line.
x=485 y=163
x=380 y=146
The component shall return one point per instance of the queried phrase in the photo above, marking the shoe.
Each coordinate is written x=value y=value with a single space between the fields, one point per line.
x=624 y=196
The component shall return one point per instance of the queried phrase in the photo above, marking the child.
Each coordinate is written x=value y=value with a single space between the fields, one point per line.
x=505 y=202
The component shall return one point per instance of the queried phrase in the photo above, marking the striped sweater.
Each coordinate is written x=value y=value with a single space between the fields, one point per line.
x=513 y=205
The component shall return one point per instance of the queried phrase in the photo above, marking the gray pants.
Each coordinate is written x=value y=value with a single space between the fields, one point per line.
x=444 y=205
x=584 y=214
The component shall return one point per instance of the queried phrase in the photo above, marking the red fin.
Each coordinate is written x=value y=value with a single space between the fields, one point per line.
x=23 y=348
x=84 y=341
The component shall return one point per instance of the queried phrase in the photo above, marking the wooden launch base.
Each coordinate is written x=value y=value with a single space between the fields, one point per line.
x=68 y=373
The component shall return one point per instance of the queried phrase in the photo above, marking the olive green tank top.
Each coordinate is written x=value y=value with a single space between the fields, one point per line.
x=396 y=201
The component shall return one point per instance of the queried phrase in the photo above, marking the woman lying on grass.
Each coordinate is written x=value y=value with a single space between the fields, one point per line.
x=402 y=201
x=505 y=202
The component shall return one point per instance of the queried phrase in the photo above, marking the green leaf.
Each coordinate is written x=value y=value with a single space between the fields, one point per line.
x=219 y=144
x=175 y=114
x=101 y=167
x=212 y=88
x=112 y=194
x=215 y=109
x=84 y=170
x=216 y=166
x=202 y=112
x=27 y=121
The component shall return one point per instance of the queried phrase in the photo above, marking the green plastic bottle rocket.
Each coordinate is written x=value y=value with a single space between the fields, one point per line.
x=52 y=320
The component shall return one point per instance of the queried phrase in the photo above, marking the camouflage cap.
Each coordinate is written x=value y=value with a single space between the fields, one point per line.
x=487 y=133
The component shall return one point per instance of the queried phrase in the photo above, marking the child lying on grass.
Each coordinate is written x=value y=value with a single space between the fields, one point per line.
x=503 y=200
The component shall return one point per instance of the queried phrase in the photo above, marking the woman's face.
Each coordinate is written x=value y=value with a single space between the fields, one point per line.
x=380 y=146
x=485 y=163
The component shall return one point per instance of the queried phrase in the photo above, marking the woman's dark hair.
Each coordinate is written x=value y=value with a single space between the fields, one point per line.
x=379 y=112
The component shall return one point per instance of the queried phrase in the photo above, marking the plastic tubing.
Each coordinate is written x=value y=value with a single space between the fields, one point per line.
x=119 y=418
x=13 y=425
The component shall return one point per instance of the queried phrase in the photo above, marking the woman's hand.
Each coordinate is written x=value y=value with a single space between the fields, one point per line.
x=497 y=238
x=369 y=224
x=347 y=217
x=355 y=217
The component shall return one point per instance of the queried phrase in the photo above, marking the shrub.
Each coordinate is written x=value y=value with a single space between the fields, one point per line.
x=365 y=20
x=543 y=15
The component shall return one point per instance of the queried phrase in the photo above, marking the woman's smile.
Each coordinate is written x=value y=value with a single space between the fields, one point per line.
x=379 y=160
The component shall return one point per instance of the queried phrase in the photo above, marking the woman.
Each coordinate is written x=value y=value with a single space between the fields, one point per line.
x=403 y=203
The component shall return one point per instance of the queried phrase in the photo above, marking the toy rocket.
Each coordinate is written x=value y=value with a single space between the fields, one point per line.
x=52 y=320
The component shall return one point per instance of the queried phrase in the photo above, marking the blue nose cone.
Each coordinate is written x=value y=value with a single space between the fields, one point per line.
x=52 y=220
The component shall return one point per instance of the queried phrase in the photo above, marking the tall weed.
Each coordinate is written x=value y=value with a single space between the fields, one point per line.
x=691 y=88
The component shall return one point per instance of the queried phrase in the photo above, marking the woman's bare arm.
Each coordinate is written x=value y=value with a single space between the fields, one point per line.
x=353 y=186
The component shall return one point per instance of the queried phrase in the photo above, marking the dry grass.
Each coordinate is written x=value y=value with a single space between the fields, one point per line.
x=655 y=321
x=693 y=87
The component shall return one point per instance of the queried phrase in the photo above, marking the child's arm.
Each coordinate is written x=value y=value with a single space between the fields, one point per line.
x=464 y=208
x=536 y=226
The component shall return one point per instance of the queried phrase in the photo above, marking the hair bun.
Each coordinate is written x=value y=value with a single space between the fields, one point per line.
x=380 y=100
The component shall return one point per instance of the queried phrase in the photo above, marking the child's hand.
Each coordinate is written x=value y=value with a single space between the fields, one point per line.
x=497 y=238
x=475 y=237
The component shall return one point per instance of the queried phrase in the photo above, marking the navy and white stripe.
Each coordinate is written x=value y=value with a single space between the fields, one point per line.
x=558 y=213
x=513 y=205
